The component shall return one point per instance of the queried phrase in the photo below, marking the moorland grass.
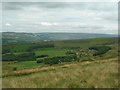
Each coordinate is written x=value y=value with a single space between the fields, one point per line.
x=98 y=75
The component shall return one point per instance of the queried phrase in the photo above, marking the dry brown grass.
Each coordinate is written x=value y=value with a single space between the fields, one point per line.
x=97 y=75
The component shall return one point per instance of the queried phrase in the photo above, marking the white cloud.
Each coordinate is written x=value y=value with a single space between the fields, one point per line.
x=98 y=18
x=48 y=24
x=7 y=24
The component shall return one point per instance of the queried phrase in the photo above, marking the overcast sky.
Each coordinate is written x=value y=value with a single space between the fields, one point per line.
x=72 y=17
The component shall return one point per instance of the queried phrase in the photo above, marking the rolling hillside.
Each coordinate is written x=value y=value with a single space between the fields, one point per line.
x=85 y=49
x=12 y=37
x=83 y=63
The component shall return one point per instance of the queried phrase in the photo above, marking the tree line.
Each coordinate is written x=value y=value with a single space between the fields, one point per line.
x=27 y=56
x=100 y=50
x=58 y=59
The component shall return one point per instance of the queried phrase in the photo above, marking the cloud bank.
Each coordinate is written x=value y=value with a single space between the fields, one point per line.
x=77 y=17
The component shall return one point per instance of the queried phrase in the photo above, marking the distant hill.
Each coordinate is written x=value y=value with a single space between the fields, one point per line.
x=14 y=37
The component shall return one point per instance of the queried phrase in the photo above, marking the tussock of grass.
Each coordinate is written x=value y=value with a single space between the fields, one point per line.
x=90 y=76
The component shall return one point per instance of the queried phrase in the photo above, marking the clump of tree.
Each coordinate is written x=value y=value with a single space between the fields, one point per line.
x=9 y=57
x=40 y=46
x=41 y=56
x=5 y=50
x=27 y=56
x=100 y=50
x=58 y=59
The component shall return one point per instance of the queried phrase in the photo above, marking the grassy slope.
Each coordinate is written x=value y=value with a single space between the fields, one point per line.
x=97 y=75
x=102 y=75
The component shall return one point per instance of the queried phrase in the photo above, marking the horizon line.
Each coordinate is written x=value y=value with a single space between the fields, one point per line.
x=57 y=32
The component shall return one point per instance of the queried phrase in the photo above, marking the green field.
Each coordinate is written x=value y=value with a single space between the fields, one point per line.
x=76 y=76
x=50 y=52
x=9 y=66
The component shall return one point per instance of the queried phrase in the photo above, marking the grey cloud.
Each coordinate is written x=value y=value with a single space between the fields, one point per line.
x=12 y=6
x=102 y=6
x=52 y=5
x=56 y=5
x=22 y=5
x=87 y=26
x=69 y=15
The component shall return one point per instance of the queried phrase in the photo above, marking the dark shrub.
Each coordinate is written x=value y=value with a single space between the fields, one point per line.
x=87 y=60
x=15 y=68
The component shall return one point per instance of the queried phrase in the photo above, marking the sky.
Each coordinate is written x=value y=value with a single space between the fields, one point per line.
x=68 y=17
